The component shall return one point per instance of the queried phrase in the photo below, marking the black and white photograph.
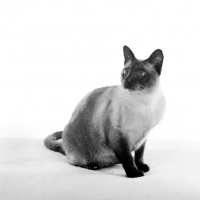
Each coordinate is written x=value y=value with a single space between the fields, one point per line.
x=99 y=100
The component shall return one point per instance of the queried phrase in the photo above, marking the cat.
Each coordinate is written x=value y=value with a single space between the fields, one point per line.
x=111 y=122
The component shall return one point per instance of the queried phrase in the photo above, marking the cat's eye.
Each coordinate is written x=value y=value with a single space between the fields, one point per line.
x=140 y=74
x=125 y=72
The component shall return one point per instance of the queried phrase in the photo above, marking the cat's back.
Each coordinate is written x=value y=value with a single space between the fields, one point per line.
x=93 y=101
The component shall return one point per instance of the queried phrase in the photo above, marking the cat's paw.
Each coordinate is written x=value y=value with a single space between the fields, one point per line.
x=135 y=174
x=143 y=167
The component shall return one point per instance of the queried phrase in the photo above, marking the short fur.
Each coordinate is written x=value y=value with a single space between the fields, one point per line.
x=111 y=122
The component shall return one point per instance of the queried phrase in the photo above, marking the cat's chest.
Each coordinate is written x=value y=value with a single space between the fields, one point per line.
x=139 y=118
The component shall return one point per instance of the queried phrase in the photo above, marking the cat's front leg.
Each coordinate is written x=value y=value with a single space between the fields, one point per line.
x=123 y=153
x=139 y=153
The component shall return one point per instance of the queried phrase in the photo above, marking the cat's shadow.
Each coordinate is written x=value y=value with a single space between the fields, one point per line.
x=115 y=170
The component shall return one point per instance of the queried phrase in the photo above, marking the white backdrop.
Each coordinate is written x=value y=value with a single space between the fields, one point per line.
x=54 y=52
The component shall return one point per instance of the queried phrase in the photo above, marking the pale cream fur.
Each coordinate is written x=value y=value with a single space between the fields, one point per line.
x=141 y=110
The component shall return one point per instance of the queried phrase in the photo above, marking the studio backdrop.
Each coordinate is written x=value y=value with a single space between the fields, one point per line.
x=52 y=53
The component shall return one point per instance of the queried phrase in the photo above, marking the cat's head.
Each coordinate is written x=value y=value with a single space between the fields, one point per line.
x=141 y=75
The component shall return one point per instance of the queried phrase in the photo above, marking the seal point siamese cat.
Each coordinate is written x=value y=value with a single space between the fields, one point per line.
x=111 y=122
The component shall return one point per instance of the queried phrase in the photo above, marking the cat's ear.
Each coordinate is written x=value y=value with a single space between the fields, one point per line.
x=128 y=55
x=156 y=59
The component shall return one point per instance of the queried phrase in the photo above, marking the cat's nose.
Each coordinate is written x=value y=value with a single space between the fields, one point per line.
x=141 y=74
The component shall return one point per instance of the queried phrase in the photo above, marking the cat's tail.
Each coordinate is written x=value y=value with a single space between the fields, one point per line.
x=51 y=142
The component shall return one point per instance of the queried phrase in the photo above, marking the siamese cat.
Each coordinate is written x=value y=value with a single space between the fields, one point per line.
x=111 y=122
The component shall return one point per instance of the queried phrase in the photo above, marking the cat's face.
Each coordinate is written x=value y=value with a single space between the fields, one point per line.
x=141 y=75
